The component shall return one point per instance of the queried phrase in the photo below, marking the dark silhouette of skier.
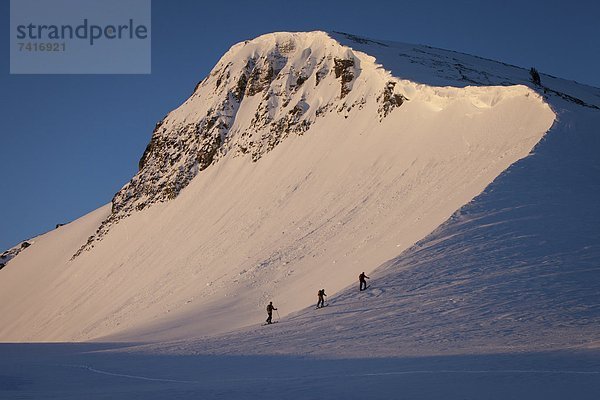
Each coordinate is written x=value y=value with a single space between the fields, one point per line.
x=321 y=302
x=270 y=308
x=363 y=282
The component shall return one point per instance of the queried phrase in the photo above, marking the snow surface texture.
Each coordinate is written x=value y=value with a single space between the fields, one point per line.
x=88 y=371
x=514 y=269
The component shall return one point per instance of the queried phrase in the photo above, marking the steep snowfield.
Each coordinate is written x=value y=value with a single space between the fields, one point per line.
x=515 y=270
x=361 y=184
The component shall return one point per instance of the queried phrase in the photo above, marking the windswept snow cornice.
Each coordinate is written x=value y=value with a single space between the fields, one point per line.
x=438 y=67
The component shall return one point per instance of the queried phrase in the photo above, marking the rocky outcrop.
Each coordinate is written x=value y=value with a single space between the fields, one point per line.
x=389 y=100
x=344 y=71
x=13 y=252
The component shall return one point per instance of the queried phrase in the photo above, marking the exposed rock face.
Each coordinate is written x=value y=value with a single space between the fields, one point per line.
x=259 y=93
x=344 y=71
x=389 y=100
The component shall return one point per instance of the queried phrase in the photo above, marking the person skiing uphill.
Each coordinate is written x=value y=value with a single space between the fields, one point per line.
x=270 y=308
x=363 y=282
x=321 y=302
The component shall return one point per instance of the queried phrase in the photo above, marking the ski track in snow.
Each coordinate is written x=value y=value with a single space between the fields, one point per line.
x=118 y=371
x=330 y=376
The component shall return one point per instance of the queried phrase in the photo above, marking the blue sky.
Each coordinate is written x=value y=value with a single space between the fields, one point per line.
x=69 y=142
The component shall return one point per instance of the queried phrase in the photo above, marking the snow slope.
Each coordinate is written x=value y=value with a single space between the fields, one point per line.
x=514 y=271
x=378 y=168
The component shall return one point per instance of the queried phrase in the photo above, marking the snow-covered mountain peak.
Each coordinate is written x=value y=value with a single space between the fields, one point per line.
x=260 y=92
x=264 y=90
